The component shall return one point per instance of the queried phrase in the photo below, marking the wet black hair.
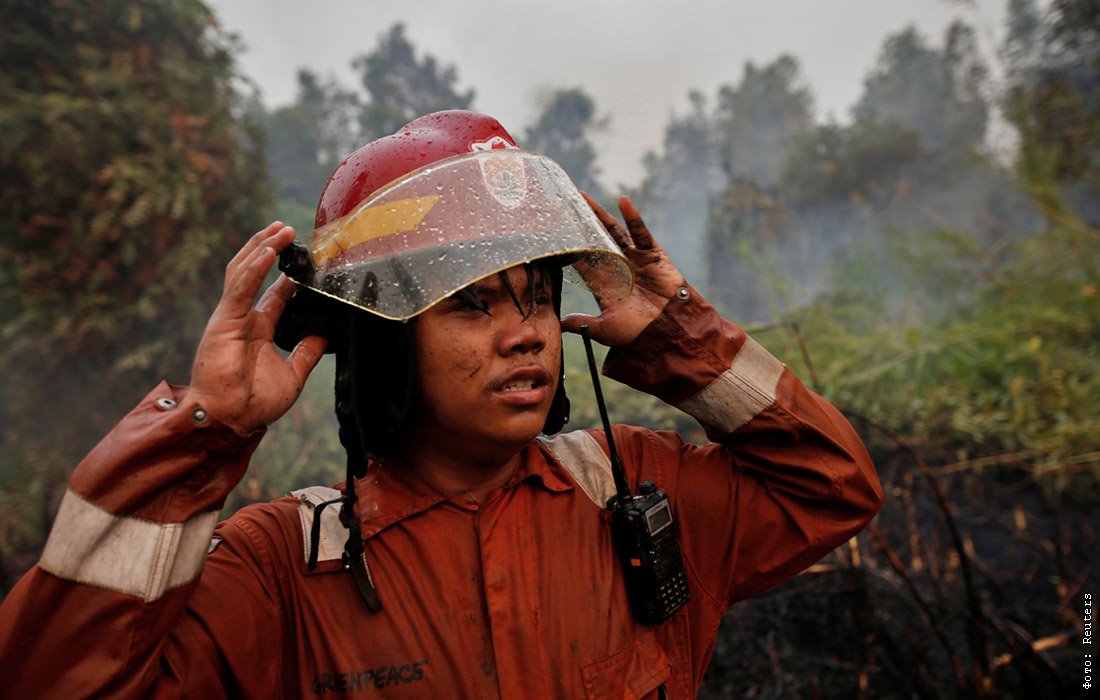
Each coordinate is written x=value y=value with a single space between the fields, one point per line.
x=536 y=276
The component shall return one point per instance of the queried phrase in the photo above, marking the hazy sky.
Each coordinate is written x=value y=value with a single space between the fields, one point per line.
x=637 y=59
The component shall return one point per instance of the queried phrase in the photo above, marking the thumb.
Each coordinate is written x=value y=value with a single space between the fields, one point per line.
x=305 y=356
x=572 y=324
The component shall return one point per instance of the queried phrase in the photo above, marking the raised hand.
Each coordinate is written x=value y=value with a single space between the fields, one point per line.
x=656 y=280
x=239 y=377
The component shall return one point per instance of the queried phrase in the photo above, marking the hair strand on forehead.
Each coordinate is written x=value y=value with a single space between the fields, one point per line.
x=468 y=296
x=536 y=276
x=531 y=269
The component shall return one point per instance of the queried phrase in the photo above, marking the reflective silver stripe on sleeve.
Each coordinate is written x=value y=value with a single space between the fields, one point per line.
x=587 y=462
x=333 y=532
x=124 y=554
x=740 y=393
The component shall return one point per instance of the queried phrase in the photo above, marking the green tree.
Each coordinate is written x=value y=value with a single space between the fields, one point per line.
x=738 y=146
x=128 y=178
x=563 y=130
x=936 y=92
x=307 y=140
x=747 y=225
x=402 y=86
x=756 y=119
x=680 y=182
x=1053 y=99
x=864 y=162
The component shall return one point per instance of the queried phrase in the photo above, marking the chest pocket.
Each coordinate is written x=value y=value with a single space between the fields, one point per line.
x=635 y=672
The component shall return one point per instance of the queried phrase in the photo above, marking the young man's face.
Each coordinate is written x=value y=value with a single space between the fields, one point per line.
x=486 y=380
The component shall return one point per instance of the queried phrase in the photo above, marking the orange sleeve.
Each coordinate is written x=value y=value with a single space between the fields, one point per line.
x=786 y=478
x=98 y=613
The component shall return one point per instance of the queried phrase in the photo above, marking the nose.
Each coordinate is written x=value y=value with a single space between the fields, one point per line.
x=519 y=335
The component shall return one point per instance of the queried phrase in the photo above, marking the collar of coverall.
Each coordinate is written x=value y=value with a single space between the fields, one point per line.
x=389 y=494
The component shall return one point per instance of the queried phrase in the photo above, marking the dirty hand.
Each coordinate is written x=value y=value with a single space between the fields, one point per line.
x=239 y=377
x=656 y=280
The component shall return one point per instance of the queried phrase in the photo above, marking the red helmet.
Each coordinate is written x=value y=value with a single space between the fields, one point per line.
x=411 y=218
x=422 y=141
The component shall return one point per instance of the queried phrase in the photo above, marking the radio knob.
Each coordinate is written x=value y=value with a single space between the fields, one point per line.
x=647 y=487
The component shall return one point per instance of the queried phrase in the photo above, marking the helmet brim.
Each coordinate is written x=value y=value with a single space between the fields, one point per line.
x=440 y=228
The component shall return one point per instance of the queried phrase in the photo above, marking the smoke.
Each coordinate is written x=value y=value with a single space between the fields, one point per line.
x=837 y=208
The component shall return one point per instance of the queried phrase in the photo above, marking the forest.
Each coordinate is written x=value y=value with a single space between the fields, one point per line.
x=930 y=264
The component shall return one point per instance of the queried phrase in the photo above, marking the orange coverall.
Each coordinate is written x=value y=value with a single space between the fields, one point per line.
x=522 y=596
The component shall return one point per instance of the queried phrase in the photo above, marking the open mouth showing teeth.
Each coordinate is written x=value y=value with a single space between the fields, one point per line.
x=525 y=385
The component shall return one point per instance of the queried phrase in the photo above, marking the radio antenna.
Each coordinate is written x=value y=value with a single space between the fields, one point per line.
x=616 y=466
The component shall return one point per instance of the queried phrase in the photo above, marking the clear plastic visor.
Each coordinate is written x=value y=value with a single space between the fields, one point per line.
x=454 y=222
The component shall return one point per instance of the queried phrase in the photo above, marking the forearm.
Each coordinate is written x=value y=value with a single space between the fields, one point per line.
x=124 y=554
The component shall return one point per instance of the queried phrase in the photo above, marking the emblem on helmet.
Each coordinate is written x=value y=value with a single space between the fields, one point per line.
x=505 y=178
x=491 y=144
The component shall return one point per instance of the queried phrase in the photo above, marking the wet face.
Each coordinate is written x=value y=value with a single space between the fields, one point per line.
x=486 y=376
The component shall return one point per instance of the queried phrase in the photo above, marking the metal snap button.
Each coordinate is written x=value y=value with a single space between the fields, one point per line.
x=683 y=293
x=166 y=404
x=199 y=415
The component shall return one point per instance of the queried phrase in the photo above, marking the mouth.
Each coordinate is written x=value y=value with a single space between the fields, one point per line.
x=525 y=385
x=528 y=386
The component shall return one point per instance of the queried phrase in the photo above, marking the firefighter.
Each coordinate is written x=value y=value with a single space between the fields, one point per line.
x=469 y=552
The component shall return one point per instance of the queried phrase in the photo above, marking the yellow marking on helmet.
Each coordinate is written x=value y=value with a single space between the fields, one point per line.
x=361 y=226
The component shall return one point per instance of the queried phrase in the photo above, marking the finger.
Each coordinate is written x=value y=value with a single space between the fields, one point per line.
x=250 y=247
x=572 y=323
x=276 y=242
x=275 y=299
x=618 y=233
x=237 y=303
x=639 y=232
x=305 y=356
x=241 y=262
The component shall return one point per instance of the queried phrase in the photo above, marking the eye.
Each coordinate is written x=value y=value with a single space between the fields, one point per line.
x=464 y=302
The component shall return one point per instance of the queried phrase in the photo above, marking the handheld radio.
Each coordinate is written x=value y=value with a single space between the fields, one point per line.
x=643 y=531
